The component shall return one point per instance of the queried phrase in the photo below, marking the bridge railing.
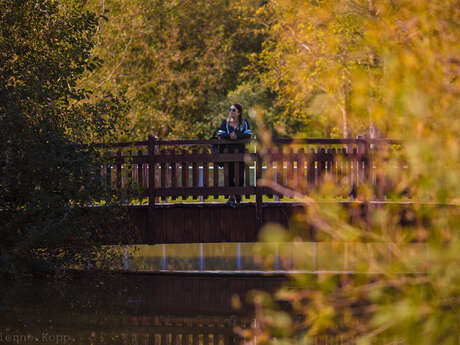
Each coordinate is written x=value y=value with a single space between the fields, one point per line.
x=160 y=169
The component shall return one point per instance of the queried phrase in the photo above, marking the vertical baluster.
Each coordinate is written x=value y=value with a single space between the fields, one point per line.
x=195 y=172
x=185 y=173
x=333 y=164
x=118 y=171
x=163 y=167
x=173 y=171
x=108 y=177
x=205 y=152
x=290 y=168
x=140 y=170
x=355 y=166
x=321 y=165
x=259 y=192
x=236 y=174
x=152 y=150
x=339 y=166
x=311 y=170
x=216 y=176
x=226 y=172
x=133 y=169
x=343 y=166
x=300 y=183
x=270 y=172
x=330 y=164
x=280 y=168
x=345 y=178
x=246 y=175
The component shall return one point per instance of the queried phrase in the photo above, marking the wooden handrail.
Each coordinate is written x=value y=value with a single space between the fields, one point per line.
x=285 y=141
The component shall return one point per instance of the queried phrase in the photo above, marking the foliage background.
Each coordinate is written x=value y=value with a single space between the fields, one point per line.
x=48 y=173
x=74 y=73
x=394 y=65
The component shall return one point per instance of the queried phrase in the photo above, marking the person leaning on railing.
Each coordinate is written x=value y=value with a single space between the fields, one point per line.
x=235 y=128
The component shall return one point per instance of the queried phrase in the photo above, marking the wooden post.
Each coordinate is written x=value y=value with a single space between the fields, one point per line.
x=300 y=181
x=164 y=173
x=226 y=172
x=185 y=173
x=151 y=165
x=140 y=170
x=259 y=192
x=108 y=179
x=195 y=173
x=118 y=172
x=367 y=162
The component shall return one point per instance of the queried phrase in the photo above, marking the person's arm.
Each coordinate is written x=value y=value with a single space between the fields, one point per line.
x=222 y=131
x=246 y=133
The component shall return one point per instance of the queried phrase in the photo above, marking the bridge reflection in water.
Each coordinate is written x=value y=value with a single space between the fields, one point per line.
x=172 y=294
x=272 y=258
x=130 y=309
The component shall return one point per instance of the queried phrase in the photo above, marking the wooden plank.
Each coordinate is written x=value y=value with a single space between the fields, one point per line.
x=246 y=178
x=173 y=226
x=280 y=169
x=140 y=171
x=200 y=157
x=108 y=178
x=163 y=167
x=321 y=167
x=269 y=172
x=185 y=173
x=306 y=141
x=195 y=174
x=151 y=167
x=236 y=174
x=311 y=171
x=355 y=161
x=205 y=234
x=259 y=193
x=300 y=182
x=226 y=171
x=216 y=177
x=290 y=168
x=173 y=171
x=118 y=162
x=205 y=169
x=174 y=174
x=197 y=191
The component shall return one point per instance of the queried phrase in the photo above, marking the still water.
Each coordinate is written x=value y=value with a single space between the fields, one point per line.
x=129 y=309
x=172 y=294
x=274 y=258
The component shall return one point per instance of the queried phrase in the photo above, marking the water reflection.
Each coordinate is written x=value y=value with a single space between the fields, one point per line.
x=172 y=294
x=128 y=309
x=249 y=258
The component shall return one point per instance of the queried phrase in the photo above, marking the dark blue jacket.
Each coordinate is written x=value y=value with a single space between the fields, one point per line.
x=242 y=132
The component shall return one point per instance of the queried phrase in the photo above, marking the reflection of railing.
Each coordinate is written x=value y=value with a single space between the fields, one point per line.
x=169 y=330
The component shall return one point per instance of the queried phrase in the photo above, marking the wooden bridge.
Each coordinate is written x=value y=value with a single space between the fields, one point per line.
x=167 y=172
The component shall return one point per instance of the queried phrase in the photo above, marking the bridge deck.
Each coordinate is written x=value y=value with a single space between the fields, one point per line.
x=212 y=222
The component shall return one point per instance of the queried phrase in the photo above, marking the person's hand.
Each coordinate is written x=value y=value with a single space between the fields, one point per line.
x=233 y=136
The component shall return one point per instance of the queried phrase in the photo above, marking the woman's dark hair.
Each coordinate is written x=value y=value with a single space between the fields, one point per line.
x=240 y=110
